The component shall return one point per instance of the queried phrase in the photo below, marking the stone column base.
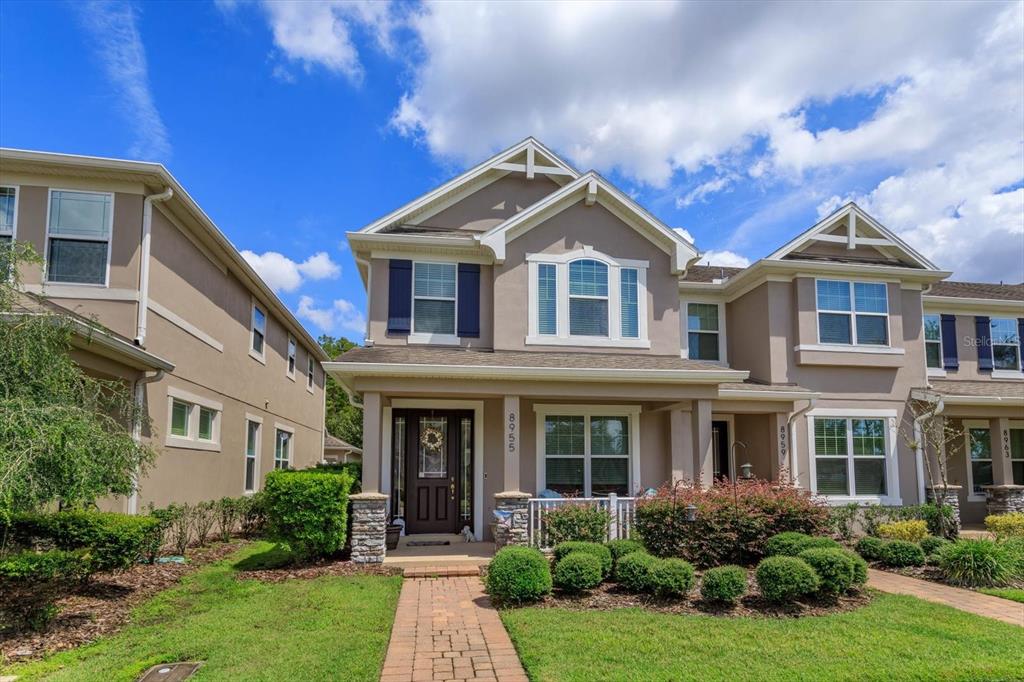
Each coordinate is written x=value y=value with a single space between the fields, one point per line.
x=1004 y=499
x=369 y=521
x=950 y=496
x=513 y=528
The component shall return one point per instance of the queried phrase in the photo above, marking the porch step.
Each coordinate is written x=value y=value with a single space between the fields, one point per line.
x=456 y=571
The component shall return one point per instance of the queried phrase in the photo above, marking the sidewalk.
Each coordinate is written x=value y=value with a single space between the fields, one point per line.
x=966 y=600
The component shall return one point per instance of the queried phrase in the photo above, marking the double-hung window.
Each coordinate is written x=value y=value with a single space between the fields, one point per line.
x=1005 y=341
x=853 y=313
x=258 y=337
x=1017 y=452
x=629 y=300
x=703 y=331
x=588 y=298
x=586 y=454
x=193 y=421
x=253 y=427
x=850 y=456
x=933 y=341
x=310 y=366
x=282 y=448
x=78 y=237
x=8 y=211
x=547 y=299
x=979 y=457
x=291 y=357
x=434 y=298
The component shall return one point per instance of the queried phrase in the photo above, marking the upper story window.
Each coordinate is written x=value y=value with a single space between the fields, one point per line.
x=310 y=365
x=258 y=332
x=78 y=237
x=853 y=313
x=8 y=208
x=434 y=298
x=933 y=341
x=291 y=357
x=587 y=299
x=1005 y=340
x=704 y=327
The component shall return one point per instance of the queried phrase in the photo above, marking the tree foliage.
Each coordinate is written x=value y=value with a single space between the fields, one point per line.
x=65 y=436
x=343 y=419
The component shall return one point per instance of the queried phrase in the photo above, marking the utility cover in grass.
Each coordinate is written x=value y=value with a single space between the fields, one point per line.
x=171 y=672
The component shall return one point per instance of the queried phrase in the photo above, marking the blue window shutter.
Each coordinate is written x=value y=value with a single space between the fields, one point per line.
x=469 y=300
x=949 y=351
x=399 y=296
x=982 y=329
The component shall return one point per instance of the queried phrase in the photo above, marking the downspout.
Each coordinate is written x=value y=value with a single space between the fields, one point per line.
x=940 y=405
x=147 y=237
x=793 y=465
x=140 y=401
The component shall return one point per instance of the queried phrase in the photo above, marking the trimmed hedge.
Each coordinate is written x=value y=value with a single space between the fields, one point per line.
x=785 y=578
x=981 y=563
x=634 y=571
x=115 y=541
x=577 y=522
x=30 y=583
x=307 y=510
x=671 y=578
x=900 y=553
x=726 y=584
x=1005 y=525
x=913 y=530
x=870 y=547
x=578 y=571
x=600 y=552
x=834 y=568
x=932 y=544
x=518 y=574
x=620 y=548
x=860 y=567
x=791 y=544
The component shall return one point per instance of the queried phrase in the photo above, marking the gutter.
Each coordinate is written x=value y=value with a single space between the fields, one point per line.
x=140 y=401
x=147 y=238
x=794 y=460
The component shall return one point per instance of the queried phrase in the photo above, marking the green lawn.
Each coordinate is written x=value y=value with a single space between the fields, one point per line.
x=325 y=629
x=1010 y=593
x=893 y=638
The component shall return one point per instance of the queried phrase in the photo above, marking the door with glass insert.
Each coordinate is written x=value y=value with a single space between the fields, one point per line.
x=438 y=458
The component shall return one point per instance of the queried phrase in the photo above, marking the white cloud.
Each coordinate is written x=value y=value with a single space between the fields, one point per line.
x=342 y=315
x=114 y=35
x=727 y=259
x=283 y=274
x=701 y=192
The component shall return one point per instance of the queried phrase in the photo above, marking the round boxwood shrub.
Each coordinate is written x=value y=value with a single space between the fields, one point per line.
x=620 y=548
x=931 y=544
x=980 y=563
x=860 y=567
x=834 y=569
x=578 y=571
x=518 y=574
x=600 y=552
x=900 y=553
x=671 y=578
x=870 y=547
x=791 y=544
x=634 y=571
x=724 y=584
x=785 y=578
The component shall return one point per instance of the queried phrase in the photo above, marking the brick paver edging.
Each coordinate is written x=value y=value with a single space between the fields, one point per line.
x=446 y=629
x=966 y=600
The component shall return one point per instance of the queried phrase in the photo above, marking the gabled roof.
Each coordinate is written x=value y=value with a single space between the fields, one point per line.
x=592 y=188
x=883 y=240
x=529 y=157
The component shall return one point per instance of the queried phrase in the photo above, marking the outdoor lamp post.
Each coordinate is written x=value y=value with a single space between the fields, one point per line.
x=691 y=512
x=748 y=470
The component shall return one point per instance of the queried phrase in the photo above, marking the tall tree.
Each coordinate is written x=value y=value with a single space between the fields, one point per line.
x=343 y=419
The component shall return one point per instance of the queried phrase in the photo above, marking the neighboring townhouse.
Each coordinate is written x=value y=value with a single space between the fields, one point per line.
x=337 y=451
x=232 y=382
x=533 y=331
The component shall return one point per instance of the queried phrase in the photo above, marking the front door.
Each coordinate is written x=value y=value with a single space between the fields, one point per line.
x=437 y=443
x=720 y=446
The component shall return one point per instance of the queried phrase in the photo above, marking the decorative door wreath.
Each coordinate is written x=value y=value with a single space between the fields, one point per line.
x=432 y=438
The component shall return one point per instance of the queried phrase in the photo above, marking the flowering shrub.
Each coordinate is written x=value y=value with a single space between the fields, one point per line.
x=727 y=529
x=581 y=522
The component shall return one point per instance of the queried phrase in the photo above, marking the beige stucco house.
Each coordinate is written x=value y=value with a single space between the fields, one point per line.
x=232 y=382
x=533 y=331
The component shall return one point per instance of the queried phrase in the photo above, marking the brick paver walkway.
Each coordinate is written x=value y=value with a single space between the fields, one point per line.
x=446 y=629
x=965 y=600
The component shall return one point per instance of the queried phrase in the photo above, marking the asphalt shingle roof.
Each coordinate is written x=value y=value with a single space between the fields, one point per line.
x=997 y=292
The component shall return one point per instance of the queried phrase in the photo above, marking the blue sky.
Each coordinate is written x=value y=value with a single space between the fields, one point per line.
x=292 y=123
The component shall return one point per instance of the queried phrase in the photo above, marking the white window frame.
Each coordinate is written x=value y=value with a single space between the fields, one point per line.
x=939 y=371
x=109 y=239
x=17 y=200
x=632 y=412
x=258 y=356
x=310 y=372
x=192 y=441
x=1006 y=373
x=562 y=336
x=852 y=313
x=291 y=444
x=723 y=358
x=291 y=359
x=256 y=419
x=1014 y=425
x=980 y=424
x=892 y=474
x=431 y=337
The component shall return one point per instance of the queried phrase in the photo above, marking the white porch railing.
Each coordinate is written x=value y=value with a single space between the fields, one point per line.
x=621 y=510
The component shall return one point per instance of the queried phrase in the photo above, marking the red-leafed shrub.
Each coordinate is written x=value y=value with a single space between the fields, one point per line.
x=731 y=526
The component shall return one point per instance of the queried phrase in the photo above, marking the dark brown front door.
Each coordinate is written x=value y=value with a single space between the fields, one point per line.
x=433 y=482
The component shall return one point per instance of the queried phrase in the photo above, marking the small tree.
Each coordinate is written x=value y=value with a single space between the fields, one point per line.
x=343 y=419
x=65 y=436
x=924 y=428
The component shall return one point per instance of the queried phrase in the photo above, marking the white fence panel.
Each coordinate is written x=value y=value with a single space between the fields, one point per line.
x=621 y=510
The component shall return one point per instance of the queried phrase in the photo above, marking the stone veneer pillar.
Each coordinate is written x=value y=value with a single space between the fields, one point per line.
x=950 y=495
x=1004 y=499
x=369 y=523
x=515 y=529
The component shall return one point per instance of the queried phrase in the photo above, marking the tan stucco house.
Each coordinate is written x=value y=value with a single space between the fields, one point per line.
x=232 y=382
x=533 y=332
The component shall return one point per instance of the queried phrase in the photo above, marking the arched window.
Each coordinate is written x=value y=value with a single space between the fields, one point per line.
x=588 y=298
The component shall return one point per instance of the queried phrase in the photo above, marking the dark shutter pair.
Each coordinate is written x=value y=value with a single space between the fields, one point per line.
x=400 y=298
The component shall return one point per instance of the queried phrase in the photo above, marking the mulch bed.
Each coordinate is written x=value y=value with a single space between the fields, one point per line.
x=104 y=604
x=318 y=570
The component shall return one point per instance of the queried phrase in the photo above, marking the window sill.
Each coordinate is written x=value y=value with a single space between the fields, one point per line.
x=309 y=389
x=189 y=444
x=262 y=359
x=290 y=376
x=584 y=341
x=1007 y=374
x=433 y=339
x=936 y=372
x=840 y=348
x=976 y=498
x=92 y=285
x=864 y=500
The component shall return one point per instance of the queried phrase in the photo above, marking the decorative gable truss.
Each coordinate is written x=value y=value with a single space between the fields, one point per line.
x=592 y=189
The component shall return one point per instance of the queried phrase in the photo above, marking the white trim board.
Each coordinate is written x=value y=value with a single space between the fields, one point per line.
x=185 y=325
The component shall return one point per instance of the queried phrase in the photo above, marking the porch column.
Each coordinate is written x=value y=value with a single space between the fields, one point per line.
x=369 y=508
x=703 y=455
x=778 y=465
x=681 y=442
x=511 y=444
x=371 y=442
x=1003 y=497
